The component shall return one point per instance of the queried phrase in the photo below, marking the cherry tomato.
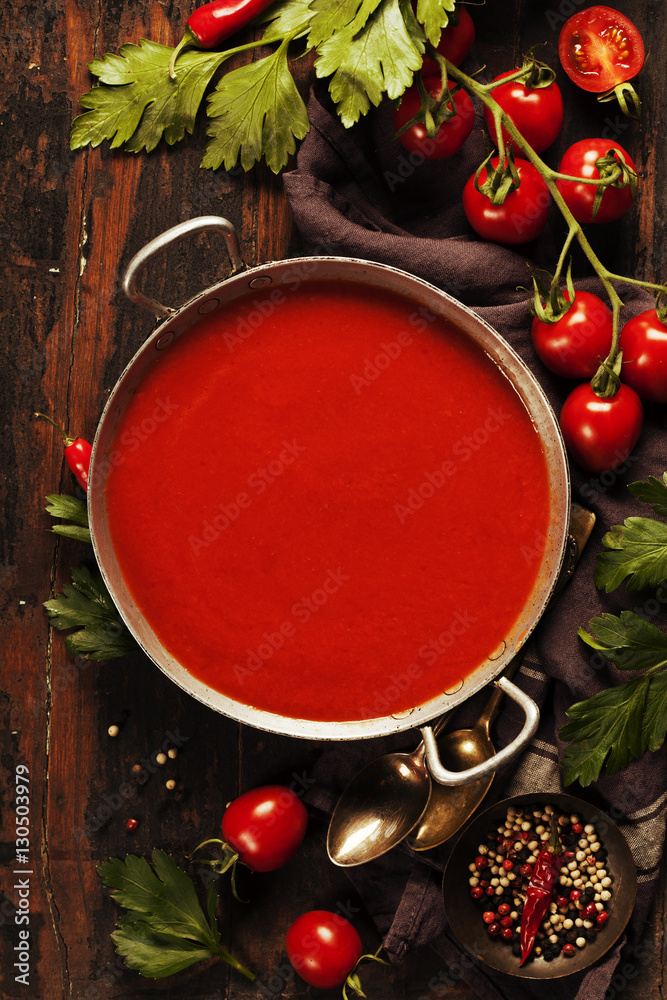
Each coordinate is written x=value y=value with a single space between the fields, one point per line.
x=601 y=433
x=323 y=947
x=600 y=48
x=451 y=134
x=537 y=112
x=644 y=344
x=574 y=346
x=579 y=161
x=521 y=217
x=265 y=826
x=455 y=43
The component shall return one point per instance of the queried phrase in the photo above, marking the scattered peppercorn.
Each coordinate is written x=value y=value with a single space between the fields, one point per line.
x=171 y=784
x=131 y=825
x=113 y=730
x=161 y=759
x=172 y=753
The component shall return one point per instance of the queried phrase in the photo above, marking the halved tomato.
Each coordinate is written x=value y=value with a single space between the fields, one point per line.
x=599 y=48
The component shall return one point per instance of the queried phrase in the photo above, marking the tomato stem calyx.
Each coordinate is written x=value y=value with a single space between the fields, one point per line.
x=353 y=981
x=434 y=111
x=624 y=93
x=227 y=863
x=614 y=172
x=607 y=380
x=555 y=303
x=501 y=180
x=539 y=74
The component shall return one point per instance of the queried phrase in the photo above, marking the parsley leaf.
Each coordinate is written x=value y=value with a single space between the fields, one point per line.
x=165 y=929
x=629 y=641
x=289 y=19
x=258 y=109
x=434 y=15
x=329 y=18
x=369 y=62
x=654 y=493
x=69 y=508
x=637 y=550
x=86 y=605
x=137 y=102
x=622 y=722
x=607 y=727
x=152 y=953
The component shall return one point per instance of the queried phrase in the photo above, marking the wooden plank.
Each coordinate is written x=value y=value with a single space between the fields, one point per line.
x=72 y=222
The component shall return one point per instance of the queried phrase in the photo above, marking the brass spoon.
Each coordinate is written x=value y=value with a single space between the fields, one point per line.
x=450 y=806
x=380 y=806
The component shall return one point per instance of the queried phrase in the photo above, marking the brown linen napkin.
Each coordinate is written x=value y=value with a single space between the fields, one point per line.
x=356 y=193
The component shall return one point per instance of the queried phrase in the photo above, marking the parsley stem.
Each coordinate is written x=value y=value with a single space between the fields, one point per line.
x=235 y=964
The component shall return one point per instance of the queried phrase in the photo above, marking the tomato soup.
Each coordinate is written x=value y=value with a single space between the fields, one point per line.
x=325 y=502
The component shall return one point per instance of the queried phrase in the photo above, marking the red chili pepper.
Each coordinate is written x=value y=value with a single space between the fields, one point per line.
x=209 y=25
x=539 y=891
x=77 y=453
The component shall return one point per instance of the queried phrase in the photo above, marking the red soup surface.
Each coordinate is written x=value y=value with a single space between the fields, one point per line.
x=327 y=502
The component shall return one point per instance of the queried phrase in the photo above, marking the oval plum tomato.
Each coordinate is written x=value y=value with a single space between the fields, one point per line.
x=536 y=112
x=579 y=161
x=265 y=826
x=644 y=345
x=521 y=217
x=600 y=48
x=573 y=346
x=455 y=43
x=451 y=134
x=323 y=947
x=600 y=433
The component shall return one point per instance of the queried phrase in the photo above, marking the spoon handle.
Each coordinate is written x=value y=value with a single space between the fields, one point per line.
x=492 y=706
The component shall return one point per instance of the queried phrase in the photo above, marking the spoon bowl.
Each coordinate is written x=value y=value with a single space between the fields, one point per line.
x=450 y=806
x=379 y=807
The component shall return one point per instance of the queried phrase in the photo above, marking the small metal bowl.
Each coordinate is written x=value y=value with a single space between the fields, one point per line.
x=465 y=916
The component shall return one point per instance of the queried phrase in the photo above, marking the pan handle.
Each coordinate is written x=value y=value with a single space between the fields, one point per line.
x=440 y=773
x=161 y=242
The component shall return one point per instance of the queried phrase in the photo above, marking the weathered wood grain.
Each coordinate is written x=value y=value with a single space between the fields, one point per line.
x=70 y=224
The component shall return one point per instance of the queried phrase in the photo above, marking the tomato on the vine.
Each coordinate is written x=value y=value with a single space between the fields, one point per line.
x=600 y=433
x=455 y=43
x=521 y=217
x=644 y=346
x=265 y=826
x=599 y=48
x=452 y=133
x=537 y=112
x=323 y=947
x=579 y=161
x=574 y=345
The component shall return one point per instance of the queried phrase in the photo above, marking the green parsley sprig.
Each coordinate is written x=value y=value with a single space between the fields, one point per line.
x=621 y=723
x=85 y=605
x=164 y=929
x=367 y=47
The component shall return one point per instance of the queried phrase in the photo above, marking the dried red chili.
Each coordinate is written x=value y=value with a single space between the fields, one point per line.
x=540 y=888
x=209 y=25
x=77 y=453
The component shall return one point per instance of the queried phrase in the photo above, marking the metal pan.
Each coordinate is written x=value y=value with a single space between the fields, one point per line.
x=175 y=323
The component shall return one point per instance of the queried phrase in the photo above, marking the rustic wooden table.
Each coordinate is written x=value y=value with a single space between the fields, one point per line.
x=71 y=222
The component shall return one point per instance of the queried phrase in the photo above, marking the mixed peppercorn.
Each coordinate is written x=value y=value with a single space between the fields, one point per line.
x=508 y=874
